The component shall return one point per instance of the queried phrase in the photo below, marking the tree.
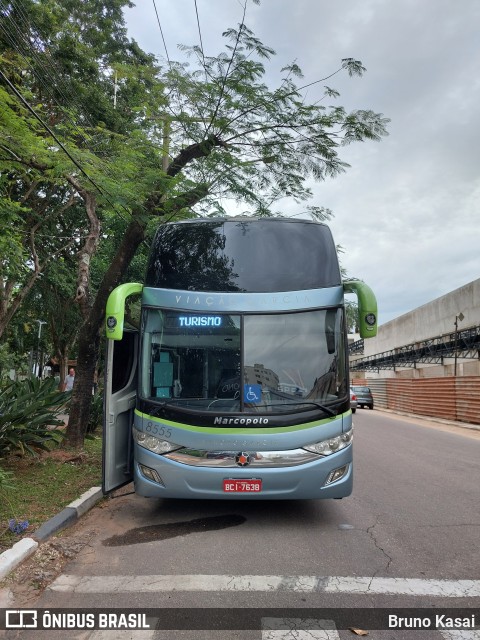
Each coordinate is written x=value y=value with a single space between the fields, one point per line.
x=229 y=136
x=53 y=57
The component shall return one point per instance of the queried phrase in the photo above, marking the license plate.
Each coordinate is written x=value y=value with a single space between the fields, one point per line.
x=242 y=486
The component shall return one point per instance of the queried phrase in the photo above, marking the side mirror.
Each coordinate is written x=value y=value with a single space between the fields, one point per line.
x=115 y=312
x=367 y=307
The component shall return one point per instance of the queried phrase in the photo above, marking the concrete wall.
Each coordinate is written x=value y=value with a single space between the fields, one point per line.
x=428 y=321
x=432 y=319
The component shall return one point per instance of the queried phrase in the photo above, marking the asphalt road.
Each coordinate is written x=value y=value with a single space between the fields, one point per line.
x=407 y=537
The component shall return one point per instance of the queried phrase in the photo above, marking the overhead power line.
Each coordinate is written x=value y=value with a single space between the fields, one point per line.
x=161 y=31
x=60 y=144
x=199 y=31
x=25 y=41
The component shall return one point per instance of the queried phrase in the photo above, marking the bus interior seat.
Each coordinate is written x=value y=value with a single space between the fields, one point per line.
x=163 y=376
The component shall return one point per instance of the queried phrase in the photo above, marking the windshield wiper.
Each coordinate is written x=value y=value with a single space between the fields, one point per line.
x=327 y=410
x=165 y=404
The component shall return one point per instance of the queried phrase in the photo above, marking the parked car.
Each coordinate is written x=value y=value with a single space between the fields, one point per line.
x=353 y=401
x=364 y=397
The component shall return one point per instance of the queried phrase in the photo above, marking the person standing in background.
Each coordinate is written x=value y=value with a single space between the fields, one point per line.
x=69 y=380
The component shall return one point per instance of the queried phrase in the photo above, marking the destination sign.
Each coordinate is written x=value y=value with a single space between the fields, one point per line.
x=199 y=321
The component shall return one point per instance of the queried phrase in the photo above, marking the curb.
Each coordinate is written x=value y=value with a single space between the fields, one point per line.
x=25 y=547
x=20 y=551
x=443 y=421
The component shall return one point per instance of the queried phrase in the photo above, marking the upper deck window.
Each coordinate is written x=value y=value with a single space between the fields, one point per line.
x=245 y=255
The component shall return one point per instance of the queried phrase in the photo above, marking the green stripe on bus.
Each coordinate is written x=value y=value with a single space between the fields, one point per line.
x=241 y=431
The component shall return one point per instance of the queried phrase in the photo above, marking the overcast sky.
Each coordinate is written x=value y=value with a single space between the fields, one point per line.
x=407 y=211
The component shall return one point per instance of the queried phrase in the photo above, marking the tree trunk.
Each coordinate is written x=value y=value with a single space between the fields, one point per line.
x=89 y=337
x=63 y=366
x=79 y=414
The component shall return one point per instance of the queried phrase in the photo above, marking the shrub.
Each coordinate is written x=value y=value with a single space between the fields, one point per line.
x=29 y=411
x=96 y=412
x=5 y=480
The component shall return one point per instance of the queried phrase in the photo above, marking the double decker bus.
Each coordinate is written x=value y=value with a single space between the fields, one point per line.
x=236 y=384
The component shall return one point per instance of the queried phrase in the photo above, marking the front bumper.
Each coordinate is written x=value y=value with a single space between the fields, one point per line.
x=305 y=481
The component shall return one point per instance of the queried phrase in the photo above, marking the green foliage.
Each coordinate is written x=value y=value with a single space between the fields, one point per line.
x=43 y=486
x=6 y=360
x=230 y=135
x=351 y=310
x=61 y=58
x=96 y=413
x=84 y=183
x=29 y=415
x=6 y=487
x=5 y=480
x=257 y=144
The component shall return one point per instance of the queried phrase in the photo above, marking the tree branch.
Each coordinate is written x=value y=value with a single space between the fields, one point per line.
x=193 y=152
x=184 y=200
x=89 y=247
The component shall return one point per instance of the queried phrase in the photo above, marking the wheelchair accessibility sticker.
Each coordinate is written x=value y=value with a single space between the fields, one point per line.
x=252 y=393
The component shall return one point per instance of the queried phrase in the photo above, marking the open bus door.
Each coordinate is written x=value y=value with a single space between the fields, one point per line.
x=121 y=364
x=120 y=397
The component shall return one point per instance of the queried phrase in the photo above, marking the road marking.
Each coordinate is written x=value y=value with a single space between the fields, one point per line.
x=277 y=629
x=298 y=629
x=301 y=584
x=461 y=634
x=272 y=629
x=121 y=634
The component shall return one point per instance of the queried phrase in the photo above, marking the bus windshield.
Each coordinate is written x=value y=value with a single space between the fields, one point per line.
x=248 y=363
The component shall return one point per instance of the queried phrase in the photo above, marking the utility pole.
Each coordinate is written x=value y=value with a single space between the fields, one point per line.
x=37 y=370
x=457 y=318
x=166 y=136
x=167 y=125
x=115 y=89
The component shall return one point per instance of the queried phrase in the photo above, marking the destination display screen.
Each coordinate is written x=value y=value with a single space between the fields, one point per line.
x=199 y=321
x=192 y=321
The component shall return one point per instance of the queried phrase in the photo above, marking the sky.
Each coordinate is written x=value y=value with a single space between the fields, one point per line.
x=406 y=212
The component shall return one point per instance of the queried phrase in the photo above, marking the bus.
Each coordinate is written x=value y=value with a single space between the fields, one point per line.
x=236 y=384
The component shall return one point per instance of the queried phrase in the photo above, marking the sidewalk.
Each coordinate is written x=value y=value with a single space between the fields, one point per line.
x=25 y=547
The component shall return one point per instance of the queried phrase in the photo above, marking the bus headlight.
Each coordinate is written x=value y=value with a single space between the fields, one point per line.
x=156 y=445
x=332 y=445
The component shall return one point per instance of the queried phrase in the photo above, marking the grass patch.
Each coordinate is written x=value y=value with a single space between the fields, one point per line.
x=44 y=485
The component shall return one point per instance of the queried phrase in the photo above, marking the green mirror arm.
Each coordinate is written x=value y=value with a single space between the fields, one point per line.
x=115 y=311
x=367 y=307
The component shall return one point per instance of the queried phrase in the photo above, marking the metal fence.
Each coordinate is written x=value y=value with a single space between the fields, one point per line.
x=450 y=398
